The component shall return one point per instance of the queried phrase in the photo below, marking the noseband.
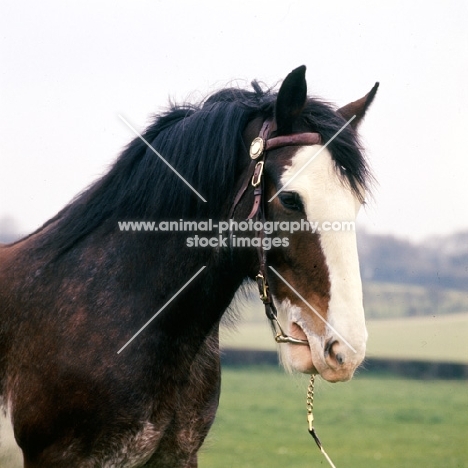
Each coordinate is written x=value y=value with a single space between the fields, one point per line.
x=259 y=149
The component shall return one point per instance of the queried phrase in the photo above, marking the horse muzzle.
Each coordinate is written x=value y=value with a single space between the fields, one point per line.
x=334 y=359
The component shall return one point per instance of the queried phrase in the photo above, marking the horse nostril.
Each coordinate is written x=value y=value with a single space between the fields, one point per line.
x=339 y=359
x=332 y=353
x=328 y=347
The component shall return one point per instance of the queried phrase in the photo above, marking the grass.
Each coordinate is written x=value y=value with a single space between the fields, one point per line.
x=370 y=421
x=441 y=338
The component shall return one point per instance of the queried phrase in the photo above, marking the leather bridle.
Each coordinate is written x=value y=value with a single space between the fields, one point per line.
x=259 y=149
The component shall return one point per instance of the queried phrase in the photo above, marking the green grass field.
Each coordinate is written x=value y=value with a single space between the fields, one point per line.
x=441 y=338
x=368 y=422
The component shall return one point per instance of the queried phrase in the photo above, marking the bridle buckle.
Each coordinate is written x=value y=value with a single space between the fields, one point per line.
x=262 y=287
x=258 y=172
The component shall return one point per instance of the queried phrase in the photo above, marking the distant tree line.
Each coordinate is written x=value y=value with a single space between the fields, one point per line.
x=439 y=261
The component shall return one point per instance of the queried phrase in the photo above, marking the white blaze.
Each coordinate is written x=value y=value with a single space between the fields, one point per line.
x=329 y=201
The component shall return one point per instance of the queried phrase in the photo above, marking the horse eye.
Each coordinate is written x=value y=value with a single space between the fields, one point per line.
x=291 y=201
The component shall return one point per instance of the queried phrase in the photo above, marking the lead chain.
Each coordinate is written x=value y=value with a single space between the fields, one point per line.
x=310 y=419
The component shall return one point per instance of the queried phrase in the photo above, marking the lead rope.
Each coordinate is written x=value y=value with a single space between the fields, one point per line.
x=310 y=419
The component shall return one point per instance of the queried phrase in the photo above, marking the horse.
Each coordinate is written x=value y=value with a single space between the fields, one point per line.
x=109 y=348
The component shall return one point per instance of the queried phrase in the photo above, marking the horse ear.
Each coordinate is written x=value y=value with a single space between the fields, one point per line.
x=359 y=107
x=291 y=100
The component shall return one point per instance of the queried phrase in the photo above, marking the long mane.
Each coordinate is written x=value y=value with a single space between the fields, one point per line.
x=202 y=142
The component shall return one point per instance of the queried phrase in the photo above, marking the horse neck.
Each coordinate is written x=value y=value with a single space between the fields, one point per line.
x=156 y=267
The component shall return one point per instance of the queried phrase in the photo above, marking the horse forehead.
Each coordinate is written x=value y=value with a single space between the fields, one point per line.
x=312 y=173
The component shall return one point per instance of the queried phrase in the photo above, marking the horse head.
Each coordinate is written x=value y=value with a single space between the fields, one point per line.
x=314 y=193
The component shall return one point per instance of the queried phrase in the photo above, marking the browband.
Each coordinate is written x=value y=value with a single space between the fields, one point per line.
x=258 y=149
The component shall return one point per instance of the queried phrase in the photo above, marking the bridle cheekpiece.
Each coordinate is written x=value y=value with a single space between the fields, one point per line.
x=258 y=152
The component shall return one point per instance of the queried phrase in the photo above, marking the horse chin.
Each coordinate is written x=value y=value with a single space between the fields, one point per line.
x=298 y=358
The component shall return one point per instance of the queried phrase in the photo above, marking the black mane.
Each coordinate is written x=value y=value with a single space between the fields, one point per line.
x=202 y=142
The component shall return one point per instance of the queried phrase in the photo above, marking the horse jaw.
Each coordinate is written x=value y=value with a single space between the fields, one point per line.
x=338 y=349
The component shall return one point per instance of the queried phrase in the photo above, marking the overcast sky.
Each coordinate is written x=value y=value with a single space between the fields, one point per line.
x=69 y=68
